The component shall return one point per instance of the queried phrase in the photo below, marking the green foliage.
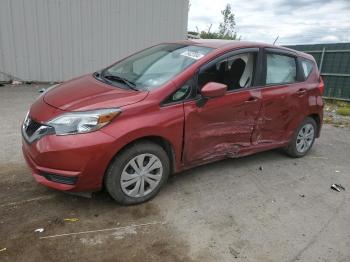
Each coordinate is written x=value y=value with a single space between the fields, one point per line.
x=193 y=33
x=226 y=27
x=209 y=35
x=343 y=111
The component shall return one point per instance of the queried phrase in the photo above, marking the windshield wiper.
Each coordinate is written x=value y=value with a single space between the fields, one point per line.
x=121 y=79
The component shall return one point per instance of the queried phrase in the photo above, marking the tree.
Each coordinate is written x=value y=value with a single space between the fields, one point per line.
x=208 y=34
x=226 y=28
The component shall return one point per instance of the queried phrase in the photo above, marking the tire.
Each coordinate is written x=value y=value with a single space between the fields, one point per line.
x=295 y=148
x=128 y=172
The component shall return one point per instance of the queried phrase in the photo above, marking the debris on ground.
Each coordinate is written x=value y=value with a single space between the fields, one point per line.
x=16 y=82
x=301 y=195
x=71 y=219
x=320 y=157
x=337 y=187
x=337 y=171
x=261 y=168
x=234 y=252
x=3 y=249
x=42 y=90
x=39 y=230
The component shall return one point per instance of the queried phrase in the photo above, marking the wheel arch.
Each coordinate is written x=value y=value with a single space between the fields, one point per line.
x=159 y=140
x=165 y=144
x=317 y=119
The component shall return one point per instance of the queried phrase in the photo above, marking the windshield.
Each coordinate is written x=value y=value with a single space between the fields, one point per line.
x=154 y=66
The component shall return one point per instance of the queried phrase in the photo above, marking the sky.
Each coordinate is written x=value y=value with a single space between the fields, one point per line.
x=294 y=21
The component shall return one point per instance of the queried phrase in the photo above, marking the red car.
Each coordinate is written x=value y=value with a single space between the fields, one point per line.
x=169 y=108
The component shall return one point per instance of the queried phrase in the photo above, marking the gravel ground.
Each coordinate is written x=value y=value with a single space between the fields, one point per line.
x=225 y=211
x=332 y=117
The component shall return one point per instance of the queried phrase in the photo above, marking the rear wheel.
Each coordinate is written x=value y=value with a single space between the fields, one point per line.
x=137 y=173
x=303 y=139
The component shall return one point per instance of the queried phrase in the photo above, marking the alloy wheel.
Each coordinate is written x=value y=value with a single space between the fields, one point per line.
x=305 y=138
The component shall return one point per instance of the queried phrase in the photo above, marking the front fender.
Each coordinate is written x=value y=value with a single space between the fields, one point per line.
x=164 y=122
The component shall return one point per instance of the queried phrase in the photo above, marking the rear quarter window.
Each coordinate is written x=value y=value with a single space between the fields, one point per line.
x=307 y=67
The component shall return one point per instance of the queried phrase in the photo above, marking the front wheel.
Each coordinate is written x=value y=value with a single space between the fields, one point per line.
x=303 y=139
x=137 y=173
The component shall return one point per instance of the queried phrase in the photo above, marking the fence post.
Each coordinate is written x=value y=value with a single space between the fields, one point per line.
x=322 y=57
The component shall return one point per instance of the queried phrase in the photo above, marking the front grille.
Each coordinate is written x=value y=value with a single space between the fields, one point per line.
x=68 y=180
x=32 y=130
x=31 y=127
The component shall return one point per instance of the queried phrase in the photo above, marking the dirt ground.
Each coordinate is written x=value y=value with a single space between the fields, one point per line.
x=225 y=211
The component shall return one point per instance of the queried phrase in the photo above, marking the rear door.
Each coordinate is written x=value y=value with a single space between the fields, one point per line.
x=284 y=98
x=223 y=125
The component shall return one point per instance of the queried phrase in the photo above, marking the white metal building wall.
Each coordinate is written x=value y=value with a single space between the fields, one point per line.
x=55 y=40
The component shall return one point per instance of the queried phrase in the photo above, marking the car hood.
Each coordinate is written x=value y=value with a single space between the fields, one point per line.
x=87 y=93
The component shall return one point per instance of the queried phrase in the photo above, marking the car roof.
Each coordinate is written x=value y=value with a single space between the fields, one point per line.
x=219 y=43
x=235 y=44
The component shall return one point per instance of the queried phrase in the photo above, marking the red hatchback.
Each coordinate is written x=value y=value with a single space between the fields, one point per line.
x=169 y=108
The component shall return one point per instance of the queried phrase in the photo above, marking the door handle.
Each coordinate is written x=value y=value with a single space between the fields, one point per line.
x=251 y=99
x=301 y=92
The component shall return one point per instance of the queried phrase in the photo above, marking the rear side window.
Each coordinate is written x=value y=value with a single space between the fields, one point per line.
x=280 y=69
x=307 y=67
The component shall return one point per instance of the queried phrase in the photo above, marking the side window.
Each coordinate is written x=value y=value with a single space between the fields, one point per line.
x=180 y=94
x=307 y=67
x=236 y=72
x=280 y=69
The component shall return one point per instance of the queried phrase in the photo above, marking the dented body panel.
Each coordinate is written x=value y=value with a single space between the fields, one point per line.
x=222 y=127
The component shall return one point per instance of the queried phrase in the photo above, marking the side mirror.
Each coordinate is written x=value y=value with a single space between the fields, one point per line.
x=213 y=89
x=210 y=90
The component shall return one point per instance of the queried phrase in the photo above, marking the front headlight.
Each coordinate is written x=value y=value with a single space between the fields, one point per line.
x=83 y=122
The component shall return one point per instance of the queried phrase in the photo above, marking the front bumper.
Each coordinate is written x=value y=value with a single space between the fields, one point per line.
x=74 y=163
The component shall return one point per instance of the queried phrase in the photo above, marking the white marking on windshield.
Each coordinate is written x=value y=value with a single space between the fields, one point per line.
x=192 y=54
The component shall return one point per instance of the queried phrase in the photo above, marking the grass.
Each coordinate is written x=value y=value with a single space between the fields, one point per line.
x=343 y=111
x=328 y=120
x=337 y=113
x=341 y=107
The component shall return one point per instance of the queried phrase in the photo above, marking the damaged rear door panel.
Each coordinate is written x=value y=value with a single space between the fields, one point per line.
x=284 y=99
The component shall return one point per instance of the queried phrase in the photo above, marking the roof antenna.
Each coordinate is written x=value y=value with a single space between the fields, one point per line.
x=274 y=42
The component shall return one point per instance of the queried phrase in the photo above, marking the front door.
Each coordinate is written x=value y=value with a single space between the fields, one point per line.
x=223 y=125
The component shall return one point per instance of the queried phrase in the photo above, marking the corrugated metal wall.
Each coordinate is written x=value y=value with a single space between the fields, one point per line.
x=54 y=40
x=334 y=63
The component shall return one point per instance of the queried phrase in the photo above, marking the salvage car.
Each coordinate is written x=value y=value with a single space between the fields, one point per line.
x=168 y=108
